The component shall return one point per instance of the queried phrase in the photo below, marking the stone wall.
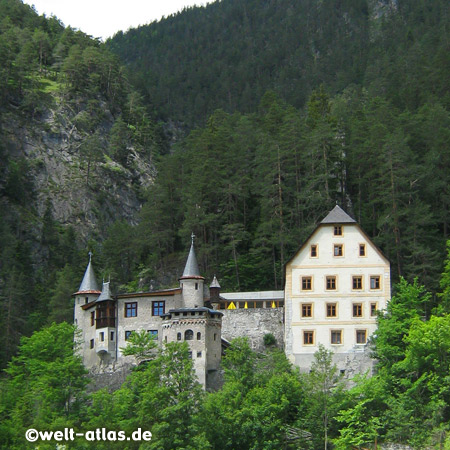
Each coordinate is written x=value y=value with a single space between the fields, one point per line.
x=254 y=324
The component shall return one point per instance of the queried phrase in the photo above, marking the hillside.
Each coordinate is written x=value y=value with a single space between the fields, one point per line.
x=229 y=53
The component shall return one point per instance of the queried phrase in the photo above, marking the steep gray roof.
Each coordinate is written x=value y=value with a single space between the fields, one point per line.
x=106 y=294
x=215 y=283
x=338 y=215
x=89 y=282
x=191 y=268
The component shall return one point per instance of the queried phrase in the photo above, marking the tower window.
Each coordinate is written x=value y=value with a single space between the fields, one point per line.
x=178 y=337
x=102 y=336
x=92 y=318
x=196 y=286
x=92 y=343
x=86 y=300
x=199 y=354
x=215 y=336
x=199 y=336
x=188 y=335
x=158 y=308
x=131 y=309
x=112 y=336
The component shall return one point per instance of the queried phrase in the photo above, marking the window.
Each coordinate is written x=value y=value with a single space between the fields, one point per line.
x=188 y=335
x=336 y=337
x=313 y=251
x=112 y=336
x=375 y=282
x=190 y=355
x=199 y=336
x=307 y=310
x=361 y=336
x=153 y=333
x=91 y=344
x=362 y=249
x=196 y=286
x=308 y=338
x=199 y=354
x=157 y=308
x=128 y=334
x=373 y=309
x=338 y=250
x=92 y=318
x=331 y=283
x=178 y=336
x=306 y=283
x=357 y=309
x=331 y=310
x=86 y=300
x=131 y=309
x=338 y=230
x=102 y=336
x=357 y=282
x=215 y=336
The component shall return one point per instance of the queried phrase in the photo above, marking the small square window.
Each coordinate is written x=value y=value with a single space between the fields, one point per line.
x=357 y=282
x=153 y=333
x=331 y=283
x=158 y=308
x=338 y=250
x=131 y=309
x=331 y=310
x=357 y=310
x=306 y=310
x=308 y=337
x=375 y=282
x=199 y=354
x=373 y=309
x=338 y=230
x=361 y=336
x=336 y=337
x=362 y=249
x=306 y=283
x=313 y=251
x=128 y=334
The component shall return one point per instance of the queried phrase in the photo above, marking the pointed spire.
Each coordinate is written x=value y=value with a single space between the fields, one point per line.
x=89 y=283
x=191 y=268
x=215 y=283
x=338 y=215
x=106 y=293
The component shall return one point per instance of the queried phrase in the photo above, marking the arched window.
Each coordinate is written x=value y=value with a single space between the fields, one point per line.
x=188 y=335
x=199 y=336
x=178 y=336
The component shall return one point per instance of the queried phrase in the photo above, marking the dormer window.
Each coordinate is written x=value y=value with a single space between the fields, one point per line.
x=338 y=230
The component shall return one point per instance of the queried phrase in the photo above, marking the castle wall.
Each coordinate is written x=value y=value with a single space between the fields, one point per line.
x=254 y=324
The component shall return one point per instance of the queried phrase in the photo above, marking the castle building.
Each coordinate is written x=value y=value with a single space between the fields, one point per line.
x=179 y=314
x=335 y=284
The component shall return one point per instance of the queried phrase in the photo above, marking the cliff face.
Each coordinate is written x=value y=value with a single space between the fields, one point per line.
x=73 y=171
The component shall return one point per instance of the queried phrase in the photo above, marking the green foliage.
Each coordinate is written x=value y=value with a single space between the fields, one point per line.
x=141 y=345
x=269 y=340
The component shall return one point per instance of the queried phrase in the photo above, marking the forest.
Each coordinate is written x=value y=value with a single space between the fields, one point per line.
x=255 y=118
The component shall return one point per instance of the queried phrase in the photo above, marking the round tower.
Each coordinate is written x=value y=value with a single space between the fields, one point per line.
x=191 y=282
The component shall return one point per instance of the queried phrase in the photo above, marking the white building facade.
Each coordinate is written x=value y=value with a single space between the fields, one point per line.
x=335 y=284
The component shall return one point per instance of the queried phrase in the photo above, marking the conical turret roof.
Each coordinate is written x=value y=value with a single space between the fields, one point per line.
x=215 y=283
x=106 y=293
x=191 y=269
x=338 y=215
x=89 y=284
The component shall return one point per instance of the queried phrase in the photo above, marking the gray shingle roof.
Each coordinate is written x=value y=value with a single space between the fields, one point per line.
x=191 y=268
x=215 y=283
x=338 y=215
x=89 y=282
x=106 y=293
